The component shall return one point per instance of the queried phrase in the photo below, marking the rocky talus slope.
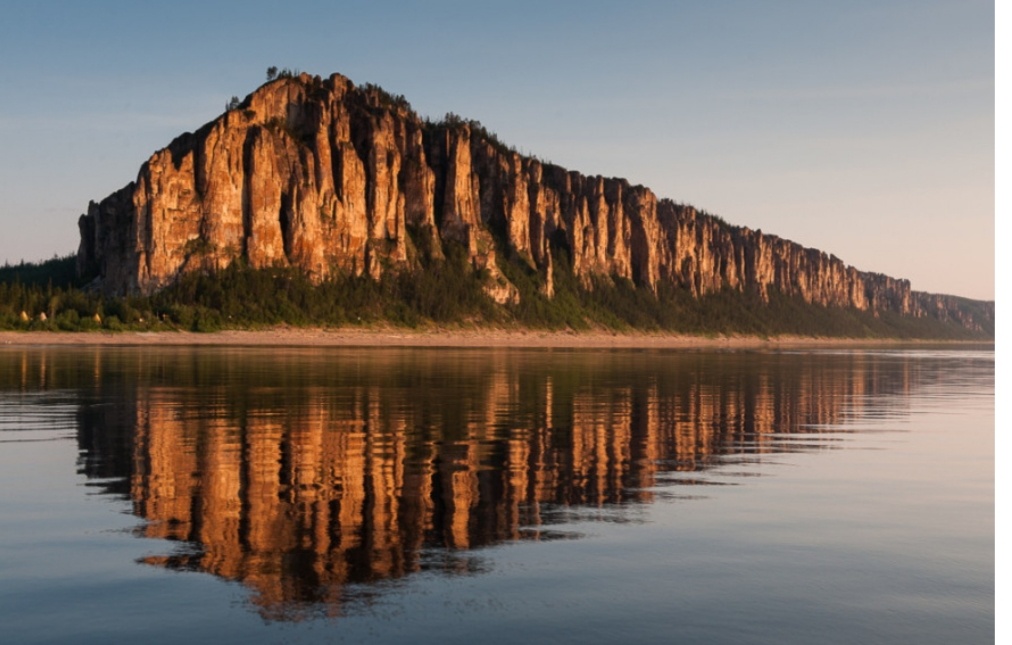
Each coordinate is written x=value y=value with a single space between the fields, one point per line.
x=334 y=178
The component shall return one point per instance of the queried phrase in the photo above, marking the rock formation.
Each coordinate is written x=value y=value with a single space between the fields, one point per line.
x=337 y=179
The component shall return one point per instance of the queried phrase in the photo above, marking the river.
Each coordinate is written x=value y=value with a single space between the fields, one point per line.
x=398 y=495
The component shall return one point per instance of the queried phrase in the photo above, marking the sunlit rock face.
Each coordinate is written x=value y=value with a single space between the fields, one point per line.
x=338 y=179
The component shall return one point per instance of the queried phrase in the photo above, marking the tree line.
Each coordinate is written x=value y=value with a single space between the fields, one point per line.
x=450 y=292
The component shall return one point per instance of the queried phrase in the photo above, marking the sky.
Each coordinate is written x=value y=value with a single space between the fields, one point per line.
x=863 y=128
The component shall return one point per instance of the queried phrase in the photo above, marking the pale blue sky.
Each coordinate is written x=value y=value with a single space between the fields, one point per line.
x=863 y=128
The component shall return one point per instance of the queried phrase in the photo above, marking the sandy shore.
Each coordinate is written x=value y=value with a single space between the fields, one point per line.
x=391 y=337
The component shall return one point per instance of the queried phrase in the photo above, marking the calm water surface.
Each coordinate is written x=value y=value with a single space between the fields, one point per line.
x=409 y=495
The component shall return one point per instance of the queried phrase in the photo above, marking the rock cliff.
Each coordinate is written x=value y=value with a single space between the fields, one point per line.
x=337 y=179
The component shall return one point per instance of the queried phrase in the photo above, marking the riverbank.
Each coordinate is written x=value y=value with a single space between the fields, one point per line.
x=396 y=337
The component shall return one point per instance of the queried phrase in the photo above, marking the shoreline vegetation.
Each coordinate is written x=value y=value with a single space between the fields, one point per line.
x=443 y=302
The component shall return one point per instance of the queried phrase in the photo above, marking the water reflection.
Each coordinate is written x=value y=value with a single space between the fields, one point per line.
x=303 y=474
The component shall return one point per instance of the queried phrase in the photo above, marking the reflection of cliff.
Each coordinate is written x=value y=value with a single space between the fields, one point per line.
x=298 y=477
